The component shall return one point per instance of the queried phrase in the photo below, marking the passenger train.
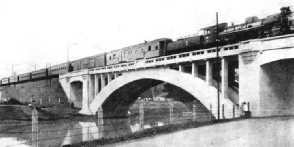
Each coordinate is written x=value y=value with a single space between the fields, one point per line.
x=253 y=28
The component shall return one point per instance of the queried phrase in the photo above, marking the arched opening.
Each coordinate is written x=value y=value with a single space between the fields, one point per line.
x=76 y=93
x=115 y=96
x=121 y=100
x=277 y=88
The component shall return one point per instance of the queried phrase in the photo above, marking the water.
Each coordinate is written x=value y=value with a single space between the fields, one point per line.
x=63 y=132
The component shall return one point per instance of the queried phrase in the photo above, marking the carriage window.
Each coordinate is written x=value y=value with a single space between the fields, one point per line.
x=113 y=55
x=149 y=48
x=156 y=47
x=109 y=57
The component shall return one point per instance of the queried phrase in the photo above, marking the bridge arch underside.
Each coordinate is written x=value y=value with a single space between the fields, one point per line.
x=120 y=101
x=76 y=93
x=277 y=88
x=124 y=90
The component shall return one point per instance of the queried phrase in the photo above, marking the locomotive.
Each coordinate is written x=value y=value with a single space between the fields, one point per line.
x=253 y=28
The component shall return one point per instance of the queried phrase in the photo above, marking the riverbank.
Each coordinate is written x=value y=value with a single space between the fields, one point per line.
x=19 y=113
x=22 y=112
x=152 y=132
x=266 y=131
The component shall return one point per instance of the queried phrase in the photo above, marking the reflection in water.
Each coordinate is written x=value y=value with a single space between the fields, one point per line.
x=59 y=133
x=9 y=140
x=108 y=128
x=35 y=133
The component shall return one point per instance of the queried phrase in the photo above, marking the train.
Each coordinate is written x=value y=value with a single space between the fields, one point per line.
x=253 y=28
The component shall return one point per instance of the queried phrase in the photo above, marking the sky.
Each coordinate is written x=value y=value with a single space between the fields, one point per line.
x=39 y=33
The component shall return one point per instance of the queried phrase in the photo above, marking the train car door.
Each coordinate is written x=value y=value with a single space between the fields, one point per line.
x=162 y=48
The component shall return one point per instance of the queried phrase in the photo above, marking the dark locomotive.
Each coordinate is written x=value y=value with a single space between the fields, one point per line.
x=274 y=25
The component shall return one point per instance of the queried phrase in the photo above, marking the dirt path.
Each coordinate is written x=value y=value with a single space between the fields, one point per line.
x=275 y=131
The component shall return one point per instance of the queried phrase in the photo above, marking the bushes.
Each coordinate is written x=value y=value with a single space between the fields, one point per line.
x=13 y=101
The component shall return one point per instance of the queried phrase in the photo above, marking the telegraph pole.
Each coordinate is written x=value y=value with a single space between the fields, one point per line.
x=218 y=76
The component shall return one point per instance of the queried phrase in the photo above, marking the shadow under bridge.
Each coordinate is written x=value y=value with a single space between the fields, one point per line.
x=117 y=97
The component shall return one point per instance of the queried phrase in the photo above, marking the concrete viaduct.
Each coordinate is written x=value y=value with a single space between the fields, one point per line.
x=265 y=78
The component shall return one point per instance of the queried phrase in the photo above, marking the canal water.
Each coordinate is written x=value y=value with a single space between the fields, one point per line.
x=64 y=132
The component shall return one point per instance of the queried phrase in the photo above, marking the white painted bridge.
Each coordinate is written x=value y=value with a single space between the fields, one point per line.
x=265 y=68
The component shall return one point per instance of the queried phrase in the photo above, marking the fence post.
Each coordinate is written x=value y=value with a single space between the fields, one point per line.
x=100 y=122
x=34 y=127
x=233 y=111
x=171 y=113
x=49 y=100
x=141 y=111
x=249 y=113
x=223 y=111
x=210 y=110
x=59 y=100
x=41 y=101
x=194 y=112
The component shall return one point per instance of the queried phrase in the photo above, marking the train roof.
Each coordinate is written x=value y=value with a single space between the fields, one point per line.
x=86 y=57
x=140 y=44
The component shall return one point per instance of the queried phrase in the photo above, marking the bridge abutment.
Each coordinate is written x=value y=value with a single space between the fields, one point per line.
x=266 y=73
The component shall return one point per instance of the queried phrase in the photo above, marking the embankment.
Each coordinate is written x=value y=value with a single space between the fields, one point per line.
x=46 y=92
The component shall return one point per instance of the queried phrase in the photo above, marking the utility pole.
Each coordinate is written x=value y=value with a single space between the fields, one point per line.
x=218 y=76
x=12 y=72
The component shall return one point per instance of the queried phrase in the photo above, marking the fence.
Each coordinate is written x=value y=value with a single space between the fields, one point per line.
x=39 y=133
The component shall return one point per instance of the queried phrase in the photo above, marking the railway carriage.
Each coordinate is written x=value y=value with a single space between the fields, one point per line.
x=99 y=60
x=13 y=79
x=5 y=81
x=42 y=73
x=185 y=44
x=85 y=63
x=59 y=69
x=76 y=65
x=24 y=77
x=150 y=49
x=88 y=62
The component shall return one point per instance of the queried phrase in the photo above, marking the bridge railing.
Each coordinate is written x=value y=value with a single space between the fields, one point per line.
x=227 y=50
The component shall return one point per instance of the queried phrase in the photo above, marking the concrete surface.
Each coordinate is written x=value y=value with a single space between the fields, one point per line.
x=274 y=131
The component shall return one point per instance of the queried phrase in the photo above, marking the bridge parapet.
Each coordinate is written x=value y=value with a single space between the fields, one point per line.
x=228 y=50
x=268 y=49
x=75 y=73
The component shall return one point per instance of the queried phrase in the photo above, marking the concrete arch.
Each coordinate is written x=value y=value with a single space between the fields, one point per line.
x=207 y=95
x=272 y=55
x=277 y=83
